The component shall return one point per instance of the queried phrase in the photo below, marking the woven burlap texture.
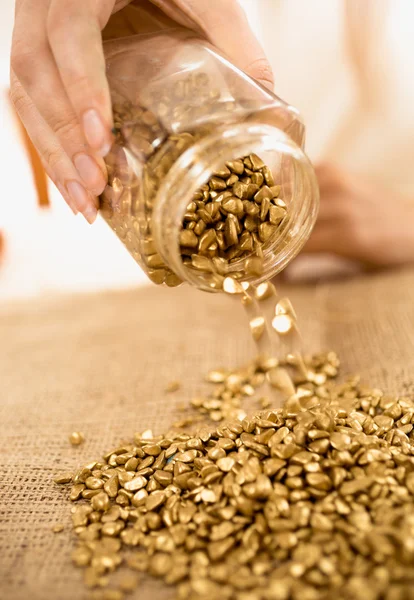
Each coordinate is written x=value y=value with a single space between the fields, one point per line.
x=99 y=364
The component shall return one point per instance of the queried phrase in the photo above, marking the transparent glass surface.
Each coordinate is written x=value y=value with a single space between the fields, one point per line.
x=182 y=110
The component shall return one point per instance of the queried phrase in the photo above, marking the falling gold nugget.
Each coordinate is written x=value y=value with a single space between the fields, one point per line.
x=231 y=286
x=257 y=327
x=282 y=324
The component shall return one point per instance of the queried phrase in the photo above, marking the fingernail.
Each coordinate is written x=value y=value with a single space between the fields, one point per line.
x=90 y=214
x=81 y=200
x=96 y=133
x=90 y=172
x=67 y=199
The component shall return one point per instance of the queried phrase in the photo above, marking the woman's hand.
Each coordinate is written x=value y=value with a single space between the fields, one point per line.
x=60 y=91
x=362 y=221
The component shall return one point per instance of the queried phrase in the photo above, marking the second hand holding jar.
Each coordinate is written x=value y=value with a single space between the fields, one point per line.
x=207 y=178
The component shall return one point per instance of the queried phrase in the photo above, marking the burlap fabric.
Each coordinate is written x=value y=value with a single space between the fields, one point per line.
x=99 y=364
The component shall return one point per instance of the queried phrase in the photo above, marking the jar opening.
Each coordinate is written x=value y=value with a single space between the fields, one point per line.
x=291 y=170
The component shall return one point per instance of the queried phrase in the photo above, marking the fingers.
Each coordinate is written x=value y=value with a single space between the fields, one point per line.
x=226 y=26
x=325 y=238
x=331 y=178
x=55 y=160
x=74 y=34
x=51 y=114
x=334 y=232
x=331 y=209
x=337 y=196
x=328 y=232
x=38 y=74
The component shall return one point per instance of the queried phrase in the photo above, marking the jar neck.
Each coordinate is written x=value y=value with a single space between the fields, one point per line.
x=291 y=169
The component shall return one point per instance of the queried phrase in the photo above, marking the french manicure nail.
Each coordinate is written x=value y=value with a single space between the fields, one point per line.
x=82 y=200
x=96 y=133
x=90 y=214
x=90 y=172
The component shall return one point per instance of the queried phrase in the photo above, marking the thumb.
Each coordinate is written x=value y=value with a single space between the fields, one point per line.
x=225 y=25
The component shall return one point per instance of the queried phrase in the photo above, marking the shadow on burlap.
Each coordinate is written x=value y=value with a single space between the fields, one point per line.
x=99 y=364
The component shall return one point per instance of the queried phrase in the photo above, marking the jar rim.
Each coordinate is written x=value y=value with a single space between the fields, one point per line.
x=196 y=165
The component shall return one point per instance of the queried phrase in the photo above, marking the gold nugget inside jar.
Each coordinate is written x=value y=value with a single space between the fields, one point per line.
x=207 y=175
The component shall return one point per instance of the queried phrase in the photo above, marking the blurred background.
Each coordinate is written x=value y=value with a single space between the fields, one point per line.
x=346 y=65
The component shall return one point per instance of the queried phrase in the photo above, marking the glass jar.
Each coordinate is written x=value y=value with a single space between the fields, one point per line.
x=181 y=112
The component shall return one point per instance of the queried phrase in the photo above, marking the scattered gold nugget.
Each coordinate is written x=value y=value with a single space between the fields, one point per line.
x=63 y=478
x=76 y=438
x=173 y=386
